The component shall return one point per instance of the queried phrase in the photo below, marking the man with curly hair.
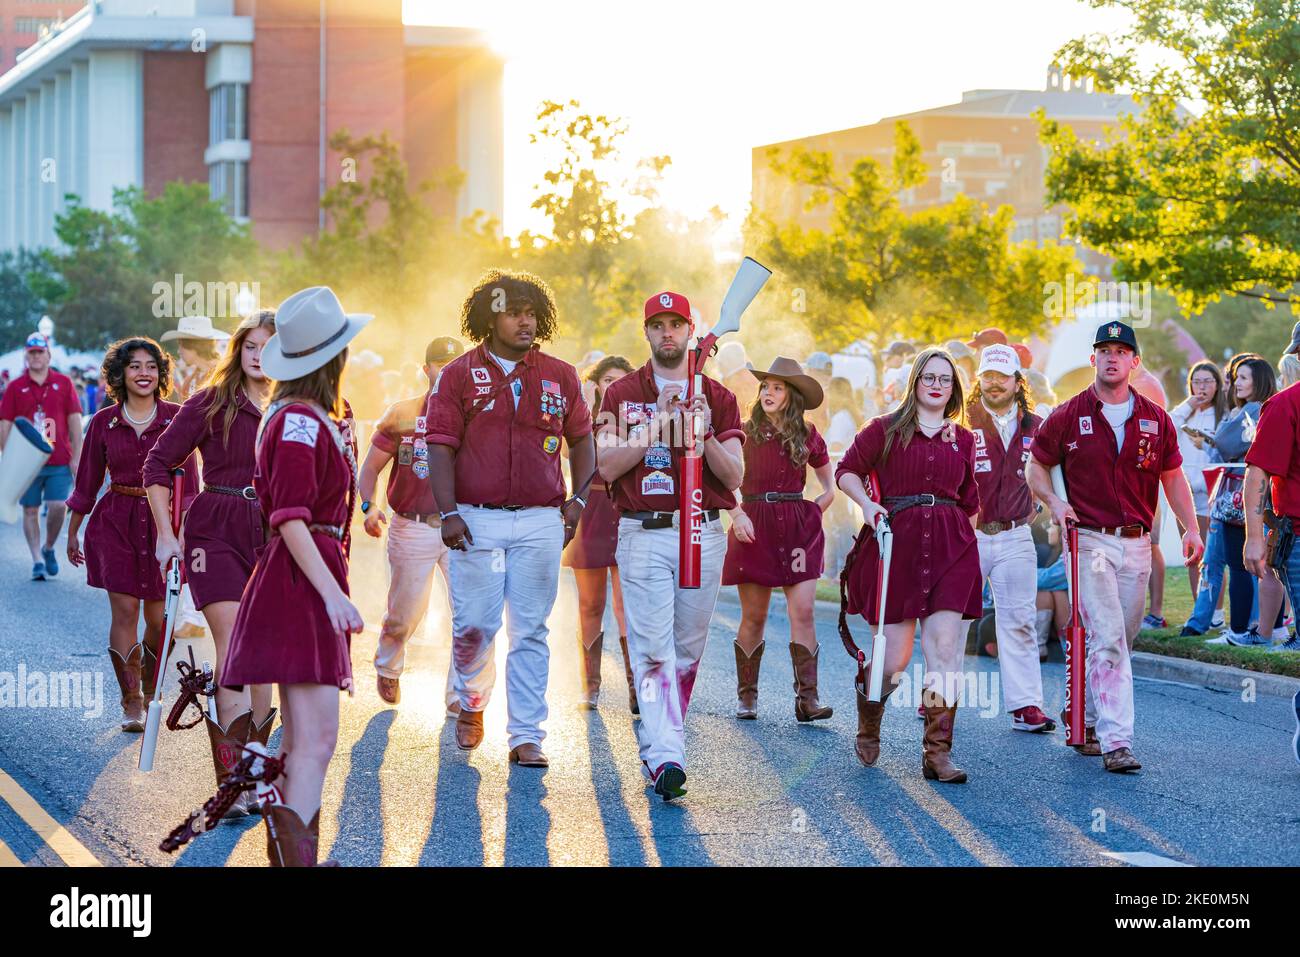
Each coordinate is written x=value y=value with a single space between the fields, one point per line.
x=49 y=401
x=493 y=427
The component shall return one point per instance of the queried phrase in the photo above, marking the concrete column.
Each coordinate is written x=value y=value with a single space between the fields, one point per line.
x=31 y=172
x=115 y=133
x=6 y=183
x=63 y=138
x=47 y=170
x=17 y=171
x=78 y=147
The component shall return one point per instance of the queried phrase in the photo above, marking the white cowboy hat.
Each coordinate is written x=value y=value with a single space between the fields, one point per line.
x=311 y=328
x=195 y=327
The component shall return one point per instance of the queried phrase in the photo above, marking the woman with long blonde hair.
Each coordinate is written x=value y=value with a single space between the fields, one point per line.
x=223 y=528
x=923 y=460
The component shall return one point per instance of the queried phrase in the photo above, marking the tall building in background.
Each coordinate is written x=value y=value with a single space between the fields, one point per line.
x=243 y=95
x=23 y=21
x=986 y=147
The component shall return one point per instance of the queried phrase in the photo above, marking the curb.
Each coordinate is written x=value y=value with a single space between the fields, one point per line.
x=1216 y=677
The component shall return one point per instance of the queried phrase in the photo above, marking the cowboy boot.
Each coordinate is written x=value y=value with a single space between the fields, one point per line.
x=127 y=670
x=806 y=705
x=314 y=827
x=591 y=671
x=631 y=681
x=870 y=713
x=149 y=666
x=290 y=842
x=937 y=764
x=747 y=681
x=261 y=733
x=227 y=750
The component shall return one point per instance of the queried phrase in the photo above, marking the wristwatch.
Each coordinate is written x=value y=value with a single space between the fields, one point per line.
x=579 y=499
x=365 y=506
x=446 y=515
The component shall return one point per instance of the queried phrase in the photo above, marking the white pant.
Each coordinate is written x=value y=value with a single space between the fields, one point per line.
x=1009 y=562
x=667 y=628
x=414 y=549
x=515 y=561
x=1113 y=575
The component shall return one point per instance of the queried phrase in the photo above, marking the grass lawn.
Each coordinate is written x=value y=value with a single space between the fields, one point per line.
x=1165 y=641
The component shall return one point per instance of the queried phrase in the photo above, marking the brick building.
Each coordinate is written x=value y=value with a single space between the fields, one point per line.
x=243 y=95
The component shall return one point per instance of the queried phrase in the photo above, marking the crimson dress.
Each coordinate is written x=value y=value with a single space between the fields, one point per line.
x=596 y=536
x=282 y=634
x=788 y=545
x=222 y=532
x=936 y=563
x=120 y=537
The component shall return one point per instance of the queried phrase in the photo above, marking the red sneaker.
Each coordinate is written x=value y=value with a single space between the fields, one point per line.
x=1031 y=719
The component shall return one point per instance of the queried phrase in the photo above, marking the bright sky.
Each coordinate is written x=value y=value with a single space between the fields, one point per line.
x=704 y=81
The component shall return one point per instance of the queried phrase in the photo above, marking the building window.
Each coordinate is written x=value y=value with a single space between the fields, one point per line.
x=33 y=24
x=228 y=182
x=227 y=113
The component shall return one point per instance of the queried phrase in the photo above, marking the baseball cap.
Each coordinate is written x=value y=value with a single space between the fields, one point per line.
x=1026 y=357
x=900 y=348
x=958 y=349
x=673 y=302
x=1295 y=340
x=987 y=337
x=819 y=361
x=999 y=358
x=37 y=341
x=442 y=349
x=1117 y=332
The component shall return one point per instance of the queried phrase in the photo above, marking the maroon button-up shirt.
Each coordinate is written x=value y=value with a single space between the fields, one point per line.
x=1108 y=487
x=46 y=406
x=507 y=455
x=1274 y=449
x=653 y=485
x=999 y=470
x=400 y=433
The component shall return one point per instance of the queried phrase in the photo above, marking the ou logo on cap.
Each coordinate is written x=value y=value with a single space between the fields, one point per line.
x=666 y=301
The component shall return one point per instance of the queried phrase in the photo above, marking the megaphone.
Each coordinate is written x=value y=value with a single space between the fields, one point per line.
x=25 y=455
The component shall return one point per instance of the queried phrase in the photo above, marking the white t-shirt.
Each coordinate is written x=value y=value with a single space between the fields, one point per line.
x=1006 y=423
x=508 y=366
x=661 y=383
x=1117 y=415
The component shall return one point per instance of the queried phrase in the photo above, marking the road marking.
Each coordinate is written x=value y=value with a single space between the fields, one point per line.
x=71 y=851
x=1144 y=859
x=7 y=857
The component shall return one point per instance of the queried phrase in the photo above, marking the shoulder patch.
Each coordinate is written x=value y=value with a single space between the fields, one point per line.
x=300 y=428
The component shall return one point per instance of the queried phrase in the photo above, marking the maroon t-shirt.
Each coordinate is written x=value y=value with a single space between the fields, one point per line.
x=1274 y=448
x=653 y=484
x=48 y=407
x=999 y=469
x=400 y=433
x=508 y=454
x=1108 y=487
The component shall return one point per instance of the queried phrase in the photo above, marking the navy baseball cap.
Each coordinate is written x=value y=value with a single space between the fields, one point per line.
x=1295 y=339
x=1117 y=332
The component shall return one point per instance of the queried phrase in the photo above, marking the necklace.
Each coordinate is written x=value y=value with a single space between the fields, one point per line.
x=145 y=421
x=929 y=429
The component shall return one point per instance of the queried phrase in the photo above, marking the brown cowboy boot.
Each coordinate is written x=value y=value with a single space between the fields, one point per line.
x=261 y=733
x=227 y=750
x=631 y=681
x=149 y=667
x=747 y=681
x=937 y=742
x=591 y=671
x=127 y=670
x=870 y=713
x=806 y=705
x=290 y=842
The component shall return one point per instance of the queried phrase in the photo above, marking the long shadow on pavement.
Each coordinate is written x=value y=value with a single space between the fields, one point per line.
x=622 y=841
x=361 y=808
x=456 y=834
x=528 y=823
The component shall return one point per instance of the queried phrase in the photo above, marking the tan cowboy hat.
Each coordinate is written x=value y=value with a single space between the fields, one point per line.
x=195 y=327
x=311 y=328
x=791 y=372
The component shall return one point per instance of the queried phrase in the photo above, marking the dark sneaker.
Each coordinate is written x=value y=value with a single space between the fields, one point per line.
x=1120 y=760
x=1190 y=632
x=669 y=781
x=38 y=572
x=51 y=562
x=1154 y=621
x=1250 y=639
x=1031 y=719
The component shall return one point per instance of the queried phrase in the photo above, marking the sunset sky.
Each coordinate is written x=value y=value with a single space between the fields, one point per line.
x=705 y=81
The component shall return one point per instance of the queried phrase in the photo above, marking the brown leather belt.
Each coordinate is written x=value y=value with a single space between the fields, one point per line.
x=992 y=528
x=1119 y=531
x=333 y=531
x=134 y=491
x=433 y=521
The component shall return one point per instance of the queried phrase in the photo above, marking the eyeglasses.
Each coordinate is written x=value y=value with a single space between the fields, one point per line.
x=931 y=379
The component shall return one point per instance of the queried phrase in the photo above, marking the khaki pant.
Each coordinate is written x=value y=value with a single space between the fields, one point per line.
x=414 y=550
x=1113 y=575
x=1009 y=562
x=667 y=628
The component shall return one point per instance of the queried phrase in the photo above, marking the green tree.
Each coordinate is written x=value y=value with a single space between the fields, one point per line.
x=1202 y=203
x=21 y=273
x=880 y=273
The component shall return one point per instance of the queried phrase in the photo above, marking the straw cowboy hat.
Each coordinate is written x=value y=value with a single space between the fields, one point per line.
x=195 y=327
x=791 y=373
x=311 y=328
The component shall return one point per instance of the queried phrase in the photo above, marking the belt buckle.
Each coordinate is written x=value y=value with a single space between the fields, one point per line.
x=770 y=497
x=930 y=496
x=249 y=493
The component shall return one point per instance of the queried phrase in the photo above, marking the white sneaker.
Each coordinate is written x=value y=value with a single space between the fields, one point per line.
x=1220 y=640
x=1217 y=621
x=1282 y=634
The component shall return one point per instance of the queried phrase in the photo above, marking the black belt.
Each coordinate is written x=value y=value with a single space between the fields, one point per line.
x=773 y=497
x=247 y=492
x=1118 y=531
x=434 y=520
x=654 y=520
x=901 y=503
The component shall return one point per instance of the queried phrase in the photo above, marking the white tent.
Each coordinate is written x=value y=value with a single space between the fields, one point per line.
x=855 y=363
x=60 y=358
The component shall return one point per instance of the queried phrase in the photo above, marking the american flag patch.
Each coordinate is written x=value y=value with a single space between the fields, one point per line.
x=300 y=428
x=1026 y=441
x=551 y=387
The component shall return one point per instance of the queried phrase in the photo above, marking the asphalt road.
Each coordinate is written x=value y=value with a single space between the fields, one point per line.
x=1218 y=787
